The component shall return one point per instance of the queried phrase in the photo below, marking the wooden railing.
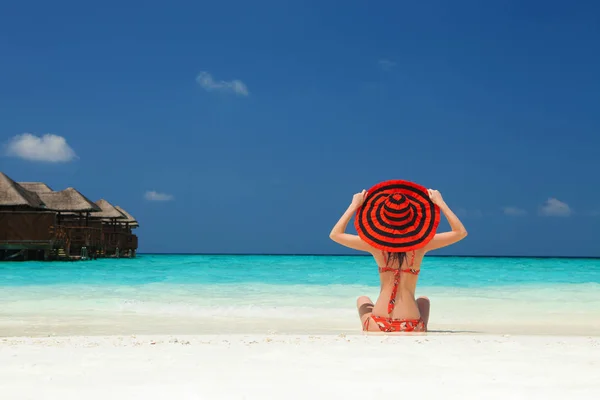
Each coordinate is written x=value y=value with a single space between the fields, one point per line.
x=60 y=236
x=84 y=236
x=73 y=238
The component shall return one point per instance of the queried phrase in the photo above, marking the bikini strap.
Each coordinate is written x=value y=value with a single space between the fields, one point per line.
x=397 y=273
x=411 y=270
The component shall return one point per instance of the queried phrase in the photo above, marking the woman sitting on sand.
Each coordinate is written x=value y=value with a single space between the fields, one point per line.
x=396 y=222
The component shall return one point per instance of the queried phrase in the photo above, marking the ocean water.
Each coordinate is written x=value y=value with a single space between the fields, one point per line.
x=195 y=294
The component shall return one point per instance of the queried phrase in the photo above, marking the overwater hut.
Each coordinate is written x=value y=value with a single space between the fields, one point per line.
x=36 y=187
x=128 y=225
x=72 y=218
x=14 y=197
x=73 y=211
x=129 y=221
x=39 y=223
x=26 y=225
x=117 y=237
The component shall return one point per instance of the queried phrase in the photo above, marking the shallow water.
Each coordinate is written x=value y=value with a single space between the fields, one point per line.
x=290 y=294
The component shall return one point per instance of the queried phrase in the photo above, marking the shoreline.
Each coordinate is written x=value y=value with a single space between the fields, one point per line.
x=26 y=338
x=440 y=338
x=58 y=326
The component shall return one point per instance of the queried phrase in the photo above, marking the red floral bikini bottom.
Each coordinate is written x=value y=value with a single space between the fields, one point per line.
x=396 y=325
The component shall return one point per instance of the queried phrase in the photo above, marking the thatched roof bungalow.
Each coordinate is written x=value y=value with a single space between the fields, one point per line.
x=15 y=197
x=36 y=218
x=73 y=210
x=116 y=229
x=108 y=211
x=68 y=200
x=25 y=222
x=36 y=187
x=130 y=221
x=71 y=206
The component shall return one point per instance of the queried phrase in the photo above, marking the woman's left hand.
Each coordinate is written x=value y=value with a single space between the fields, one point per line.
x=359 y=198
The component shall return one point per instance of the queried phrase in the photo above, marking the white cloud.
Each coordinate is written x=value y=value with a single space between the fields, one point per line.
x=151 y=195
x=386 y=65
x=206 y=81
x=555 y=208
x=514 y=211
x=47 y=148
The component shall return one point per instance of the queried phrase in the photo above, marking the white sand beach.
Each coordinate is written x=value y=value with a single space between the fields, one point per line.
x=432 y=366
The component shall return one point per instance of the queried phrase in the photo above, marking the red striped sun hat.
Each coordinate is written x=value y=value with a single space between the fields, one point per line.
x=397 y=216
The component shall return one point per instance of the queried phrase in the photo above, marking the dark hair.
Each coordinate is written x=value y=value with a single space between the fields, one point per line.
x=394 y=256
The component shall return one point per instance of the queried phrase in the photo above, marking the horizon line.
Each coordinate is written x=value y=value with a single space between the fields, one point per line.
x=360 y=255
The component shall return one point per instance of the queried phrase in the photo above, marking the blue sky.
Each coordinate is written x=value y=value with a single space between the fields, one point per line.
x=257 y=121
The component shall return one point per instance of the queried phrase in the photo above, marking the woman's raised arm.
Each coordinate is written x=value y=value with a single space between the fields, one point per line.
x=458 y=231
x=338 y=233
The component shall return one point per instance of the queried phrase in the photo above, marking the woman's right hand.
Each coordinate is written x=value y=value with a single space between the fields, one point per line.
x=435 y=197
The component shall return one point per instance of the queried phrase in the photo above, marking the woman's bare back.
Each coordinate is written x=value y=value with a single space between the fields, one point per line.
x=405 y=305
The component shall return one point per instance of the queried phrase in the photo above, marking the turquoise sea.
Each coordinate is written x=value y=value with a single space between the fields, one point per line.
x=195 y=294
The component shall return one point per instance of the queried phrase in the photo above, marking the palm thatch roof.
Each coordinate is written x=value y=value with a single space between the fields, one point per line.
x=68 y=200
x=130 y=220
x=14 y=195
x=36 y=187
x=107 y=211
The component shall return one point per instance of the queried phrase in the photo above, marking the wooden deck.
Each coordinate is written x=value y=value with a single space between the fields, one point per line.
x=60 y=242
x=26 y=244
